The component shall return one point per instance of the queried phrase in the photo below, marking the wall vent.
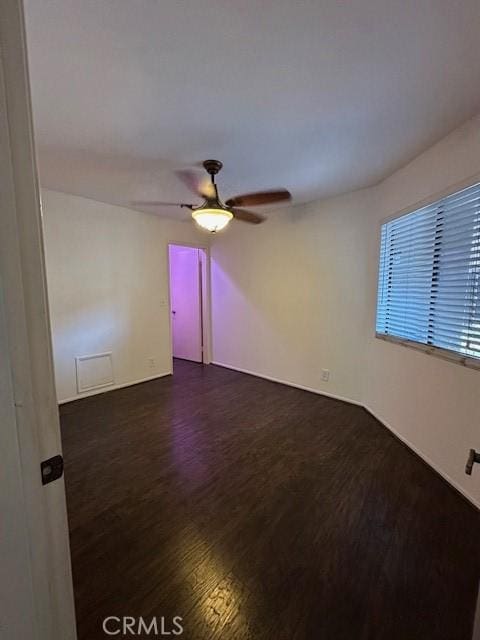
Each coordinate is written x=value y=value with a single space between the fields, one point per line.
x=94 y=371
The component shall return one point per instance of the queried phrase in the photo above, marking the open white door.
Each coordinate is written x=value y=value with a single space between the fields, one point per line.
x=17 y=613
x=186 y=302
x=36 y=596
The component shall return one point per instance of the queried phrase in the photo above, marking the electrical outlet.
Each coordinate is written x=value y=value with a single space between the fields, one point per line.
x=325 y=375
x=152 y=364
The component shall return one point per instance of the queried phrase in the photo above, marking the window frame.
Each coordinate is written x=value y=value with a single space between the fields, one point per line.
x=439 y=352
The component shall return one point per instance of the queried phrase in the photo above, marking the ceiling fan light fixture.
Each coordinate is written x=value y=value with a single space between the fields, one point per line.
x=213 y=215
x=212 y=219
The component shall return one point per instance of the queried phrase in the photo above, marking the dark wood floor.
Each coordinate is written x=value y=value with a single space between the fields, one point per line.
x=259 y=511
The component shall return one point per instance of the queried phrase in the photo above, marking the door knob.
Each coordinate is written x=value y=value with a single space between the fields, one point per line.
x=473 y=457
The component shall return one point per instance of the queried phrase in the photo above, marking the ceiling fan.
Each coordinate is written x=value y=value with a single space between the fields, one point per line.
x=213 y=214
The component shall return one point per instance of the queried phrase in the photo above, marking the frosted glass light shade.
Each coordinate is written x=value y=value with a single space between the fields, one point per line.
x=212 y=219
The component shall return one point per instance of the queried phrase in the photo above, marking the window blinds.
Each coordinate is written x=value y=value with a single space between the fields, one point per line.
x=429 y=275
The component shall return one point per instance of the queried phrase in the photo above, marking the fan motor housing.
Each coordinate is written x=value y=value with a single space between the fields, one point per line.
x=212 y=166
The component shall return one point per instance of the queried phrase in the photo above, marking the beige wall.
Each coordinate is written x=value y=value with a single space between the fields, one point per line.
x=298 y=294
x=288 y=296
x=107 y=278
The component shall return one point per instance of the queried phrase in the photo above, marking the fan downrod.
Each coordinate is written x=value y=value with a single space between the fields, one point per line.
x=212 y=166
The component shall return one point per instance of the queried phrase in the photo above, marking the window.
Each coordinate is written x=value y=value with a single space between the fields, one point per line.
x=429 y=277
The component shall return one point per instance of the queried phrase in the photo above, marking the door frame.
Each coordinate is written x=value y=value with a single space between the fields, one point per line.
x=25 y=325
x=476 y=622
x=205 y=294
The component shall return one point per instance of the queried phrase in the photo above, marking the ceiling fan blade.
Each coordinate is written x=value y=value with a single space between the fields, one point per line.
x=159 y=203
x=261 y=197
x=200 y=185
x=247 y=216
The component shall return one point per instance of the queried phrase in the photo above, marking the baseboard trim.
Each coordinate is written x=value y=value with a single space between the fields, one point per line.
x=424 y=457
x=287 y=383
x=382 y=421
x=114 y=387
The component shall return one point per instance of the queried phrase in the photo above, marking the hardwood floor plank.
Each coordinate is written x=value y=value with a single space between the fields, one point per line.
x=255 y=510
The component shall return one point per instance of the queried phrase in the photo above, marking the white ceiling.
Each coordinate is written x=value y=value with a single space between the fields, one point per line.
x=319 y=96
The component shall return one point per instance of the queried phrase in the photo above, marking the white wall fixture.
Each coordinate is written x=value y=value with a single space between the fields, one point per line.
x=94 y=371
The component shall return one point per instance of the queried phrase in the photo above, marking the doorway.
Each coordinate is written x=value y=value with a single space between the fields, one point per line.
x=188 y=302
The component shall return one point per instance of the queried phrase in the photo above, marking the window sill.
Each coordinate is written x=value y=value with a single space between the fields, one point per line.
x=445 y=354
